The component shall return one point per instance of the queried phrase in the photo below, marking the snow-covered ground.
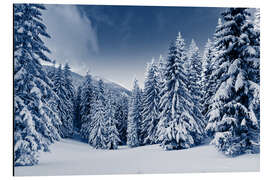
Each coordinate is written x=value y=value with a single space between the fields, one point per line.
x=71 y=157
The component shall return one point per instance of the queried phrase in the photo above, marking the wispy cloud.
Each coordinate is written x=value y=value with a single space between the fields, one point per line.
x=97 y=13
x=74 y=38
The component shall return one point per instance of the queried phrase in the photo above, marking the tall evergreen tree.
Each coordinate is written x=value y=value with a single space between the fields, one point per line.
x=63 y=89
x=134 y=117
x=113 y=134
x=232 y=117
x=121 y=116
x=69 y=93
x=207 y=69
x=77 y=108
x=178 y=127
x=87 y=103
x=195 y=82
x=101 y=122
x=213 y=81
x=151 y=99
x=36 y=121
x=98 y=133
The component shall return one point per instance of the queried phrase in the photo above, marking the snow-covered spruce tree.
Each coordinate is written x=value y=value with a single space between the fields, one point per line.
x=150 y=106
x=232 y=119
x=121 y=116
x=161 y=65
x=194 y=77
x=134 y=116
x=69 y=93
x=87 y=103
x=98 y=134
x=213 y=80
x=68 y=83
x=178 y=127
x=77 y=109
x=113 y=134
x=35 y=119
x=65 y=107
x=140 y=108
x=207 y=68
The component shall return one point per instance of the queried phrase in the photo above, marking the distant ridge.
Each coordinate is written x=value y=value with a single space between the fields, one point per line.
x=78 y=80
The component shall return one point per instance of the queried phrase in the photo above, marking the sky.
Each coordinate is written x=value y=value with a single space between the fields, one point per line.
x=116 y=42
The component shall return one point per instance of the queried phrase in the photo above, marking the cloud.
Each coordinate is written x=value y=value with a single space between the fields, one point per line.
x=97 y=13
x=73 y=37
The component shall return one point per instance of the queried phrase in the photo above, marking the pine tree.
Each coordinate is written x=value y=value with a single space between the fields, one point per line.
x=77 y=108
x=151 y=98
x=113 y=135
x=98 y=134
x=87 y=103
x=69 y=93
x=232 y=117
x=178 y=127
x=134 y=117
x=212 y=53
x=36 y=121
x=121 y=116
x=161 y=65
x=207 y=69
x=195 y=82
x=64 y=89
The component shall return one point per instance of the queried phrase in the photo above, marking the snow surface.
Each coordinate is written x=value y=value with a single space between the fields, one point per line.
x=71 y=157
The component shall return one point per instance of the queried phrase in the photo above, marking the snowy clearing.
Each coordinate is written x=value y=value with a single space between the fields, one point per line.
x=71 y=157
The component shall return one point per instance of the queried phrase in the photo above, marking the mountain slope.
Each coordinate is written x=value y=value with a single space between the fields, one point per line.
x=77 y=80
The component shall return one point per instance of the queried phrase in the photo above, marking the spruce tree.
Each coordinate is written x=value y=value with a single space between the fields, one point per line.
x=121 y=116
x=151 y=98
x=178 y=127
x=64 y=89
x=134 y=117
x=113 y=134
x=99 y=125
x=232 y=117
x=36 y=120
x=207 y=69
x=212 y=53
x=195 y=82
x=87 y=103
x=77 y=109
x=98 y=131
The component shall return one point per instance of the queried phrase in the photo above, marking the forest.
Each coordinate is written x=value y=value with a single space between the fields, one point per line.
x=187 y=99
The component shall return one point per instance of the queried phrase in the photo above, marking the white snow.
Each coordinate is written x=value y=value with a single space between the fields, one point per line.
x=71 y=157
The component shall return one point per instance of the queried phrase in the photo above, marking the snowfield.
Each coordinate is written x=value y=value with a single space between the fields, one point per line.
x=71 y=157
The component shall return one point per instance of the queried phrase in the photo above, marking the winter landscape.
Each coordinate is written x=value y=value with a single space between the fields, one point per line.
x=132 y=90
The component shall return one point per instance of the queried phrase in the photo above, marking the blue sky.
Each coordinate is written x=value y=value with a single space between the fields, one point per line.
x=116 y=42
